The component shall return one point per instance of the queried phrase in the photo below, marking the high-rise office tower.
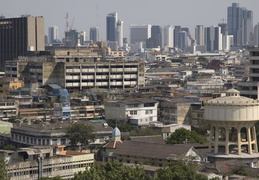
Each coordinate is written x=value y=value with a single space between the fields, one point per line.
x=111 y=24
x=247 y=28
x=82 y=37
x=119 y=33
x=168 y=36
x=72 y=38
x=46 y=40
x=224 y=28
x=213 y=38
x=256 y=35
x=190 y=41
x=20 y=35
x=226 y=39
x=139 y=33
x=199 y=35
x=240 y=24
x=53 y=34
x=183 y=40
x=94 y=34
x=177 y=30
x=156 y=37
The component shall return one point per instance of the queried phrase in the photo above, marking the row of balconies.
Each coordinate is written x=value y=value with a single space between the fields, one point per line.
x=102 y=70
x=118 y=83
x=119 y=76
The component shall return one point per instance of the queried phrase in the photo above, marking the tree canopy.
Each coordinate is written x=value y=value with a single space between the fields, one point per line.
x=184 y=136
x=113 y=170
x=3 y=171
x=180 y=170
x=81 y=132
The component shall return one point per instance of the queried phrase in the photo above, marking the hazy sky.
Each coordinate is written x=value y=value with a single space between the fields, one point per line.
x=187 y=13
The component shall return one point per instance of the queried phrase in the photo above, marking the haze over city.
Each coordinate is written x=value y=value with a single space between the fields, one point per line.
x=87 y=14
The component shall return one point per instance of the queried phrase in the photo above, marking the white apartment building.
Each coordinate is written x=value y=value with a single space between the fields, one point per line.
x=137 y=111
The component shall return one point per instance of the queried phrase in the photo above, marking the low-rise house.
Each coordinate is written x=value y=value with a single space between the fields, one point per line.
x=137 y=111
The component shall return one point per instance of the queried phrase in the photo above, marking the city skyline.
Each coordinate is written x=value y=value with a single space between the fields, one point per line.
x=92 y=14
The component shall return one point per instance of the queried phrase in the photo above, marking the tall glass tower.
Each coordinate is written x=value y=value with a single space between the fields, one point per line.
x=111 y=24
x=94 y=34
x=240 y=24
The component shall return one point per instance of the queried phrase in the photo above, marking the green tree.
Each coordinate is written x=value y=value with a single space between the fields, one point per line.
x=3 y=171
x=81 y=132
x=180 y=170
x=184 y=136
x=113 y=170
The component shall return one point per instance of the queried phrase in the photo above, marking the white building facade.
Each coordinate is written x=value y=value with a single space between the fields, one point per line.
x=137 y=111
x=53 y=33
x=168 y=36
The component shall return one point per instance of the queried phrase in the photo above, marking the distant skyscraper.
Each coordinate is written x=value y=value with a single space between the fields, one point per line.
x=247 y=28
x=213 y=38
x=46 y=40
x=94 y=34
x=139 y=33
x=183 y=40
x=72 y=38
x=82 y=37
x=256 y=35
x=156 y=37
x=225 y=37
x=53 y=34
x=199 y=35
x=168 y=36
x=177 y=30
x=119 y=33
x=111 y=24
x=20 y=35
x=240 y=24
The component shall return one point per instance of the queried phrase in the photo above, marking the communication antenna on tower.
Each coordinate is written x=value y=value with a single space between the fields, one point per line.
x=97 y=13
x=66 y=21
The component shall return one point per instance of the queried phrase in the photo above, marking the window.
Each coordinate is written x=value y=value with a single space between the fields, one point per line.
x=133 y=112
x=149 y=104
x=149 y=111
x=150 y=118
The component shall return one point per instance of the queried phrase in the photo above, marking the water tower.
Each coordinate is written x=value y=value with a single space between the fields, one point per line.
x=233 y=134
